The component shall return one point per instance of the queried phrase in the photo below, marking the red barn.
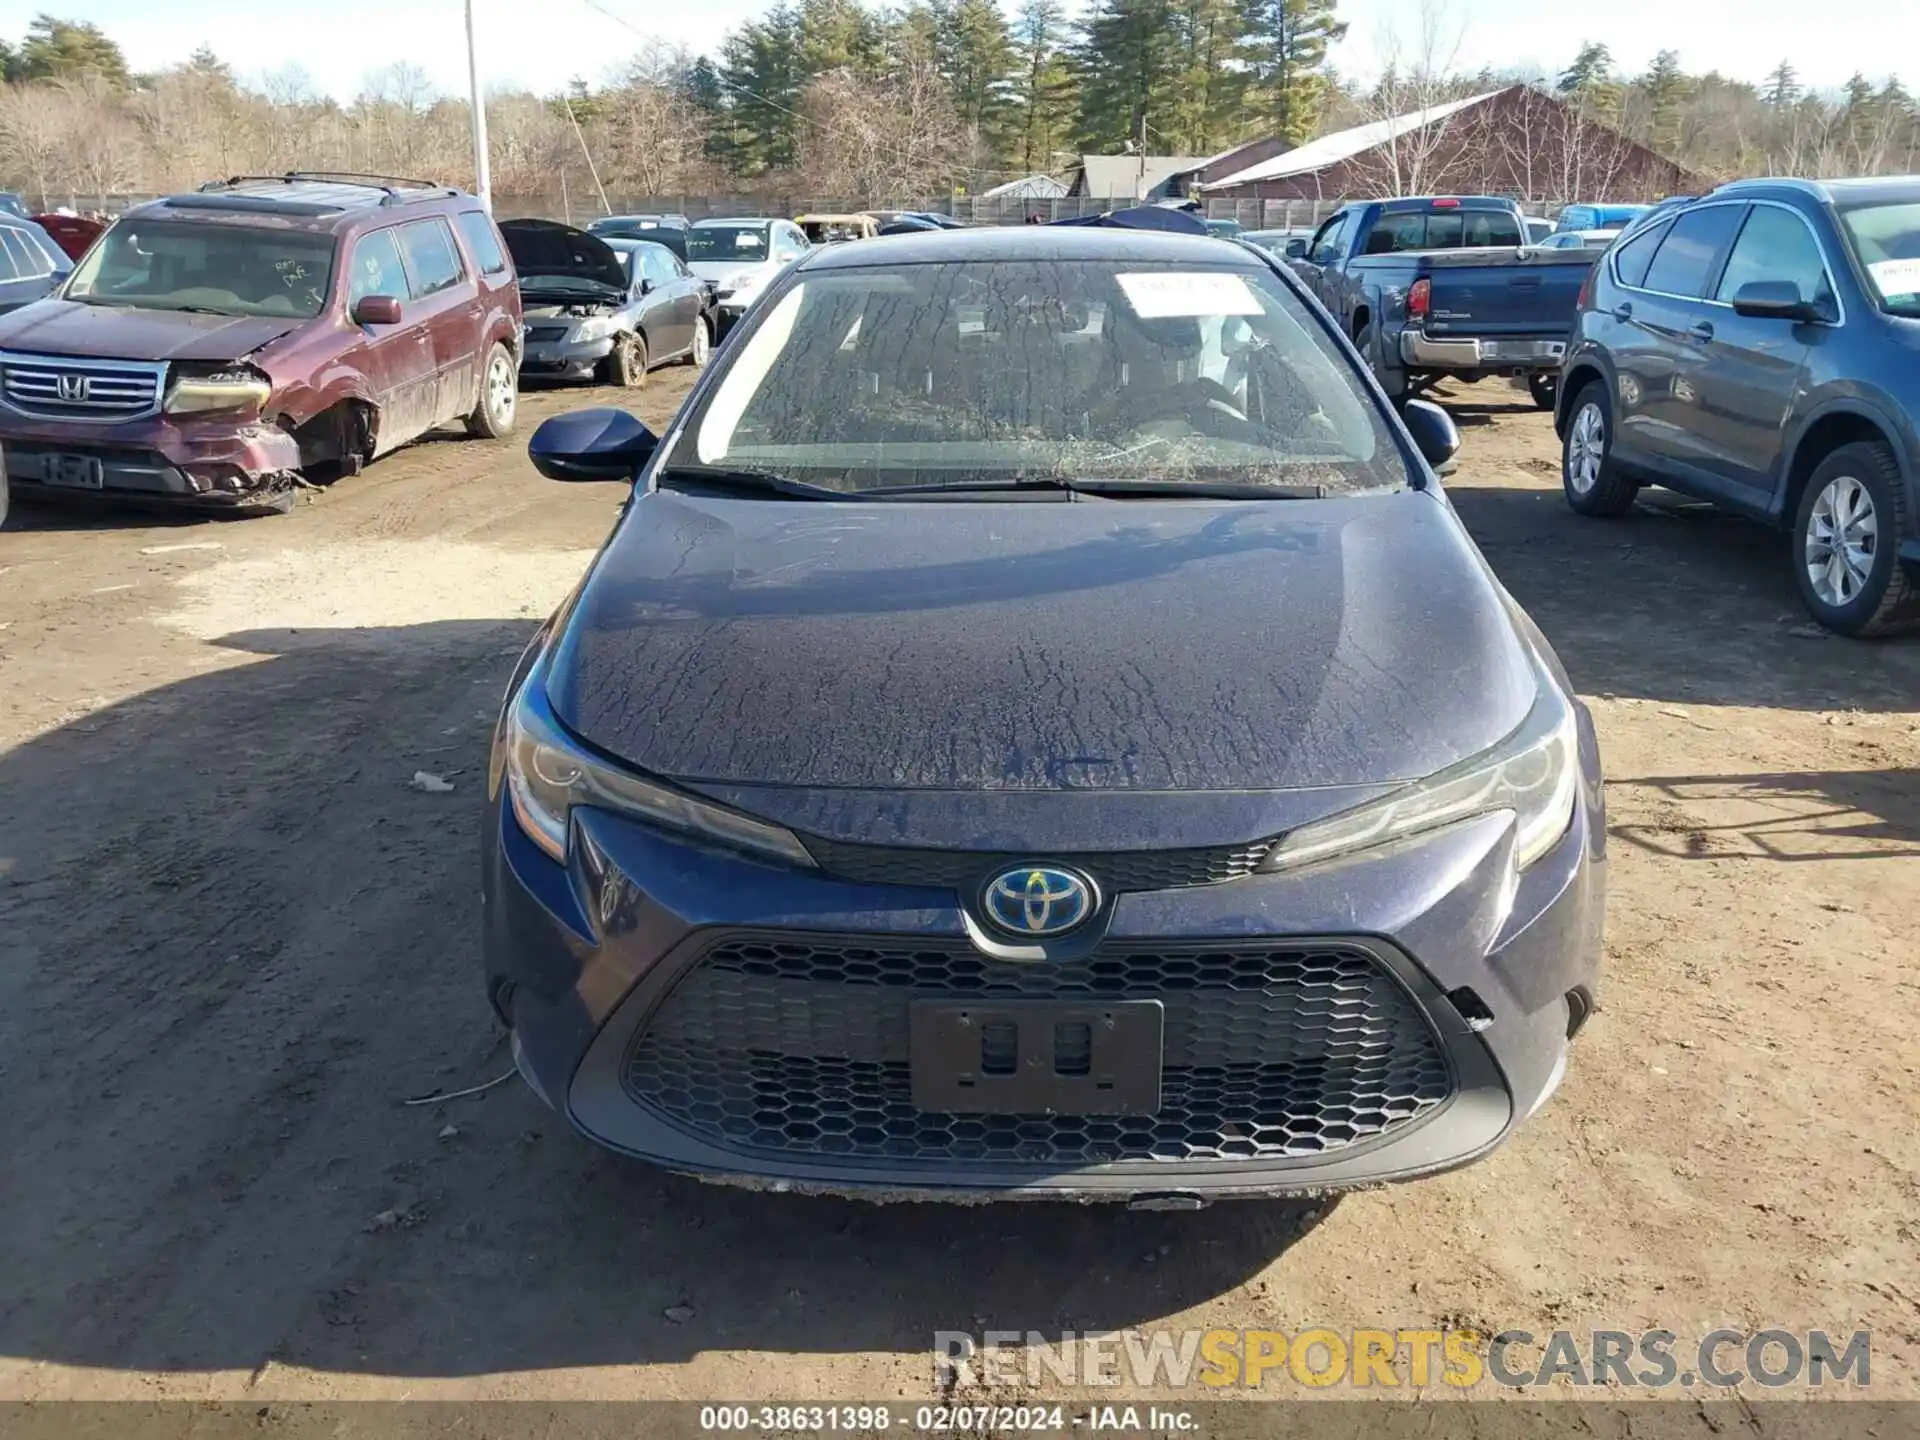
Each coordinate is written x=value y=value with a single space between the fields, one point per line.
x=1518 y=141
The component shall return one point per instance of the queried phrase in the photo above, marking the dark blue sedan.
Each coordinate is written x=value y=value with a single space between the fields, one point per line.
x=1039 y=729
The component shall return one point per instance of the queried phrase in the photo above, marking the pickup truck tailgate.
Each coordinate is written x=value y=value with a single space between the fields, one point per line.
x=1524 y=294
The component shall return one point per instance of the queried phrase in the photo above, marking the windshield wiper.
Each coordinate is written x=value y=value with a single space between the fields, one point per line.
x=719 y=477
x=1119 y=487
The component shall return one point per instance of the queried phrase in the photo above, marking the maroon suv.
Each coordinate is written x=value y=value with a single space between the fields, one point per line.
x=221 y=347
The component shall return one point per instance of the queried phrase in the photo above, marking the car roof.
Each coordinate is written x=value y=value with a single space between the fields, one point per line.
x=304 y=200
x=1855 y=190
x=742 y=220
x=1038 y=242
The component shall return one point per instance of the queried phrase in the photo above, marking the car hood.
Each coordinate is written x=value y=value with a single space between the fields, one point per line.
x=1123 y=645
x=548 y=248
x=118 y=332
x=726 y=272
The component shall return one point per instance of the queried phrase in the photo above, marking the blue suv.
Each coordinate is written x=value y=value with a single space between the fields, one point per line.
x=1759 y=348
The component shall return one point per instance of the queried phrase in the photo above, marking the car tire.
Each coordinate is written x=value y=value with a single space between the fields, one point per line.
x=1592 y=482
x=492 y=417
x=626 y=363
x=702 y=346
x=1544 y=389
x=1857 y=586
x=5 y=486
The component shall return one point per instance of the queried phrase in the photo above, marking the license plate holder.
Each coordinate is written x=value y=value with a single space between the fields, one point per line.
x=1036 y=1057
x=69 y=471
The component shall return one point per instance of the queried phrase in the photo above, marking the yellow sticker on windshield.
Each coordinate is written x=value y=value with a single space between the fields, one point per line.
x=1167 y=294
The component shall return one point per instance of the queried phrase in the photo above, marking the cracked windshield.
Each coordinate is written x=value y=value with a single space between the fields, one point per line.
x=998 y=373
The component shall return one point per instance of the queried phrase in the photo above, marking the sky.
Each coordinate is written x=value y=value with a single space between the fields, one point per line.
x=543 y=44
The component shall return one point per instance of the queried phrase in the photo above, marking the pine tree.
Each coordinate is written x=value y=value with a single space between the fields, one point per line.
x=976 y=58
x=1287 y=42
x=1043 y=100
x=1783 y=87
x=760 y=70
x=1206 y=108
x=66 y=49
x=1665 y=86
x=1589 y=82
x=1126 y=61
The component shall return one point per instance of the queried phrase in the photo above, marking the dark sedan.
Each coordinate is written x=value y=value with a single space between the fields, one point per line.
x=1759 y=347
x=1039 y=729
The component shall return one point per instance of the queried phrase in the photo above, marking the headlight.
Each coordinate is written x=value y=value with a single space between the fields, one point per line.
x=223 y=390
x=598 y=327
x=548 y=774
x=1533 y=773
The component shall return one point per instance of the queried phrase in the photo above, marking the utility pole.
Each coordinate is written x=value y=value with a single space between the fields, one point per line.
x=1140 y=183
x=482 y=177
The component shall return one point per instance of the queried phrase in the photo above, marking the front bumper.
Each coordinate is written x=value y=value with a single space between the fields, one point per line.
x=1421 y=351
x=565 y=357
x=210 y=461
x=585 y=960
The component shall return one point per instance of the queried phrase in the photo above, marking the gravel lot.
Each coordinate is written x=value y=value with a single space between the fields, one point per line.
x=232 y=940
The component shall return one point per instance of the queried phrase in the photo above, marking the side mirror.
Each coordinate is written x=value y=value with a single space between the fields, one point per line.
x=1773 y=300
x=376 y=310
x=645 y=287
x=1296 y=249
x=599 y=444
x=1432 y=429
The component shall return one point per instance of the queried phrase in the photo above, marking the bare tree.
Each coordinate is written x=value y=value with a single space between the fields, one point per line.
x=869 y=142
x=1550 y=149
x=1417 y=77
x=32 y=126
x=98 y=146
x=654 y=137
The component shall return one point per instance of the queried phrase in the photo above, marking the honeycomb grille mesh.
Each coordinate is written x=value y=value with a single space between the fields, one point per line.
x=790 y=1045
x=1114 y=871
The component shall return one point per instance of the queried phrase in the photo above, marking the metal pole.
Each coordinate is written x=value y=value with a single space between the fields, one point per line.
x=482 y=176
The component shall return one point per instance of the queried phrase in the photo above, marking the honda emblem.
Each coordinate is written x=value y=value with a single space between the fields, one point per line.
x=73 y=388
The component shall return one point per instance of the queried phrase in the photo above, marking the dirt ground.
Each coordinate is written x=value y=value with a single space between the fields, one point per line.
x=233 y=940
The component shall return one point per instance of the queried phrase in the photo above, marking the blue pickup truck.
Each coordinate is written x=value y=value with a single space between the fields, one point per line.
x=1439 y=286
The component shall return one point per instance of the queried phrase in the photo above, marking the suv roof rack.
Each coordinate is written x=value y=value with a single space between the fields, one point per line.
x=395 y=189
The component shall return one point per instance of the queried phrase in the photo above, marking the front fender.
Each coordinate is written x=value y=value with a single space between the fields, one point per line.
x=1848 y=398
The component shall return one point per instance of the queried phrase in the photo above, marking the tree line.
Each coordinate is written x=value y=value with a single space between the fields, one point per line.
x=874 y=103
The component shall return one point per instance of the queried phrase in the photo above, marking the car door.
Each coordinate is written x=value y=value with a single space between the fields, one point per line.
x=689 y=293
x=664 y=312
x=397 y=360
x=1754 y=365
x=496 y=298
x=1323 y=251
x=443 y=303
x=1672 y=318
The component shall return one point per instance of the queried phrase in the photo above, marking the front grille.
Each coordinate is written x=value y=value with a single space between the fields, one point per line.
x=789 y=1045
x=544 y=334
x=81 y=389
x=1114 y=871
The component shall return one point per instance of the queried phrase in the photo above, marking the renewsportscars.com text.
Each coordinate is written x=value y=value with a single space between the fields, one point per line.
x=1382 y=1359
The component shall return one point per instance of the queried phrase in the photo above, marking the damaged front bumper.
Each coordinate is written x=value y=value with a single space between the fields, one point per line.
x=202 y=461
x=564 y=355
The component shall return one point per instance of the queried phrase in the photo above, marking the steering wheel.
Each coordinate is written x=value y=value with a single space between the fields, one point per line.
x=1206 y=405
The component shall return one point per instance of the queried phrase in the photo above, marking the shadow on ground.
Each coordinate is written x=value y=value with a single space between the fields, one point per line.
x=235 y=940
x=1805 y=815
x=1677 y=602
